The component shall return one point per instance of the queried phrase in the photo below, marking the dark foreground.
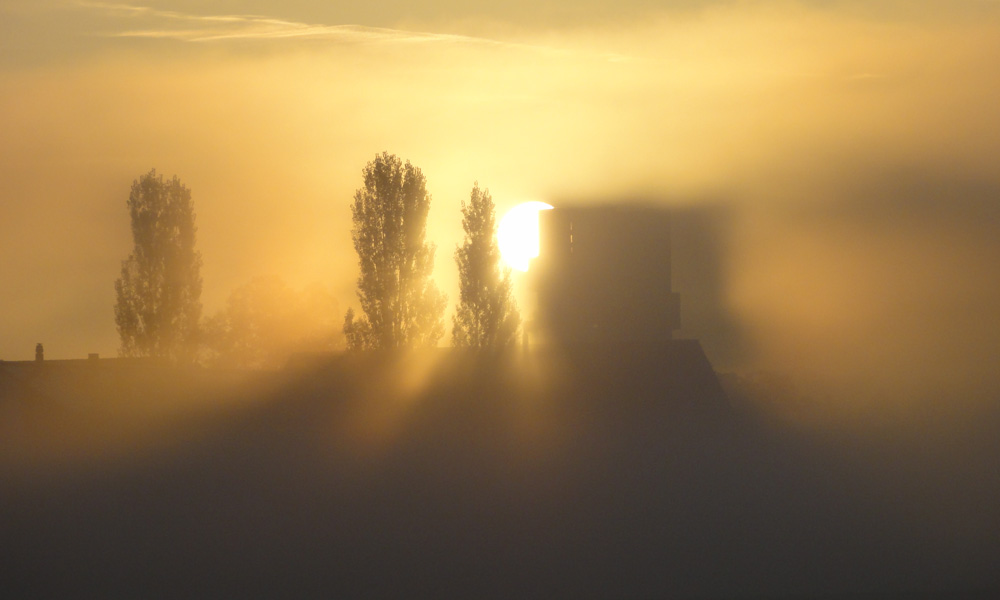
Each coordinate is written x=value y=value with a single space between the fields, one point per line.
x=597 y=475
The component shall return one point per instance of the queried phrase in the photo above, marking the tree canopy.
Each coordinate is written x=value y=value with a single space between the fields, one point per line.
x=487 y=316
x=159 y=291
x=402 y=306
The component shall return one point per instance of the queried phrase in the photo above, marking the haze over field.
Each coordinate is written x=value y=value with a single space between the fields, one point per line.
x=830 y=168
x=836 y=161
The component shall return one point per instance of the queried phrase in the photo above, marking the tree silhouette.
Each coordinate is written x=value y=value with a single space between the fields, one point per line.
x=159 y=292
x=487 y=315
x=402 y=306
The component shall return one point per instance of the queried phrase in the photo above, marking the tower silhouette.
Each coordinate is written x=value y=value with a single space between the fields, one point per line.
x=603 y=275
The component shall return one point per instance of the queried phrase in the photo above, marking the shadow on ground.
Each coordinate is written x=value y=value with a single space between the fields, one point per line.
x=621 y=473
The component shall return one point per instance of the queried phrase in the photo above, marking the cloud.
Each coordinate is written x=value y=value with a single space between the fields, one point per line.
x=214 y=28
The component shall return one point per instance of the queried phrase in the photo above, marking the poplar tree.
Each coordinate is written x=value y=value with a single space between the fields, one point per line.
x=402 y=307
x=487 y=316
x=158 y=294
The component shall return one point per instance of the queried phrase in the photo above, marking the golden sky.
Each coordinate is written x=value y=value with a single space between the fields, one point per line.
x=853 y=147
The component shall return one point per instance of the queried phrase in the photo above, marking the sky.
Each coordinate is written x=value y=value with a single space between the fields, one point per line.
x=835 y=161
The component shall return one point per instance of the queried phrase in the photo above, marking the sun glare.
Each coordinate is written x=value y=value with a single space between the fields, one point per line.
x=517 y=234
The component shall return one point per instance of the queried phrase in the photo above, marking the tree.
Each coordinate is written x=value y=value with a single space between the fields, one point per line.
x=487 y=315
x=159 y=292
x=402 y=306
x=265 y=321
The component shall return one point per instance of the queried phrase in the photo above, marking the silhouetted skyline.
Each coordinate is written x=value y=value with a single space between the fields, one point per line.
x=839 y=138
x=830 y=172
x=831 y=167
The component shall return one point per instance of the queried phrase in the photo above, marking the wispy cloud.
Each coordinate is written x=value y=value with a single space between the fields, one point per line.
x=165 y=24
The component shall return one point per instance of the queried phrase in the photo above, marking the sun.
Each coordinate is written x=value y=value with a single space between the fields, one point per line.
x=517 y=234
